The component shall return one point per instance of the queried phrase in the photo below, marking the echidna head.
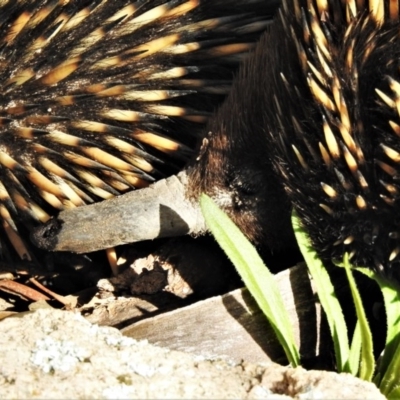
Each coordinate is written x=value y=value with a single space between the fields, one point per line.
x=234 y=166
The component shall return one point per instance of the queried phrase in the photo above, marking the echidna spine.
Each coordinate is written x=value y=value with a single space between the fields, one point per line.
x=334 y=124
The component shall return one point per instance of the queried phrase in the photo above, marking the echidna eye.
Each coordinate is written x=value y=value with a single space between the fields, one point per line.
x=248 y=190
x=245 y=184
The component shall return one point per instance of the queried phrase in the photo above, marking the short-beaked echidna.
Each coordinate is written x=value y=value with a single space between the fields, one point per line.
x=99 y=97
x=315 y=110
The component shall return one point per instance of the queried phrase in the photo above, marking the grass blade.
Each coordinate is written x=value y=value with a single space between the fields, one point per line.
x=394 y=394
x=327 y=297
x=355 y=351
x=391 y=297
x=390 y=384
x=256 y=276
x=367 y=354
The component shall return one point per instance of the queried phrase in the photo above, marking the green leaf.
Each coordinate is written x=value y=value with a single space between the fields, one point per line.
x=327 y=297
x=387 y=372
x=355 y=351
x=390 y=384
x=367 y=354
x=256 y=276
x=394 y=394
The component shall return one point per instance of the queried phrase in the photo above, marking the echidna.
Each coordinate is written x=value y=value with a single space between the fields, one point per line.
x=99 y=97
x=314 y=112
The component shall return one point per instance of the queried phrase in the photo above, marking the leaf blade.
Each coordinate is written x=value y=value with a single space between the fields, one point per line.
x=256 y=276
x=367 y=365
x=327 y=297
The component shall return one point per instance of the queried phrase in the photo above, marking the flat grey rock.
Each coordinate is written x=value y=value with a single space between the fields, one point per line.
x=54 y=354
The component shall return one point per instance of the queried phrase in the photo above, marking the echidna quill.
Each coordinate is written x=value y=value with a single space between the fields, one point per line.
x=315 y=109
x=99 y=97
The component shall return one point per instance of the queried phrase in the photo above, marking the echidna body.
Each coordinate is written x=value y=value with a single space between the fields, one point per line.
x=312 y=122
x=99 y=97
x=333 y=124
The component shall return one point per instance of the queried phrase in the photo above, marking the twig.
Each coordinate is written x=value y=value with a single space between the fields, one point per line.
x=21 y=290
x=56 y=296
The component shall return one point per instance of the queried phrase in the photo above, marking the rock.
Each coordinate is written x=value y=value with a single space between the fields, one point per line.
x=233 y=327
x=52 y=354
